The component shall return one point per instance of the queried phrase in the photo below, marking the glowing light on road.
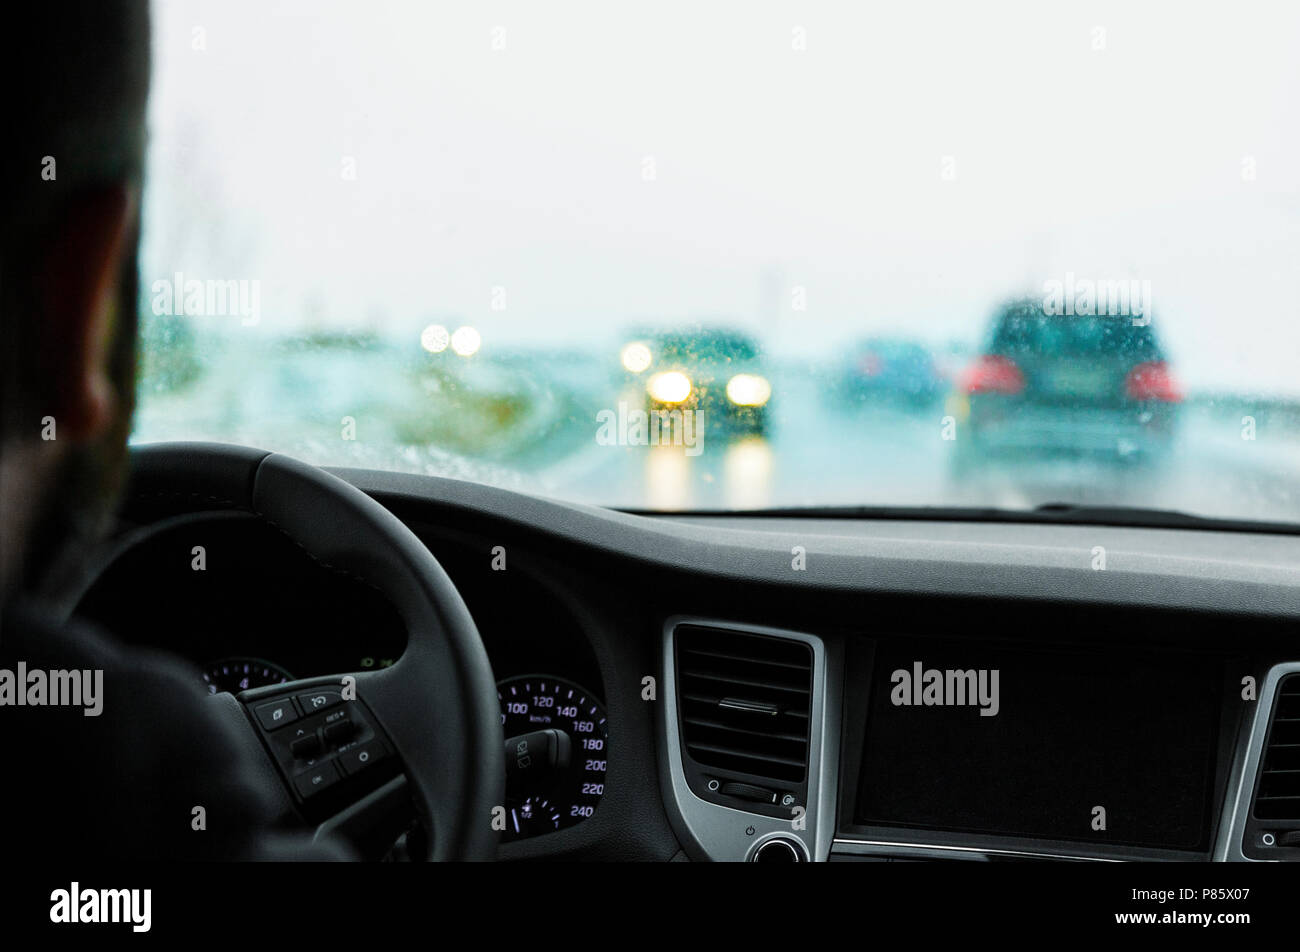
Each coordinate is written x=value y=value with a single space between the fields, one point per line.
x=668 y=472
x=747 y=469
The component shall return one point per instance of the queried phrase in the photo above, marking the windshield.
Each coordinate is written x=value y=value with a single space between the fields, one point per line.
x=734 y=256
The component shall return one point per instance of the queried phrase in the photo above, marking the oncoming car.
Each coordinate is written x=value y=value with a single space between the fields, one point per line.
x=717 y=371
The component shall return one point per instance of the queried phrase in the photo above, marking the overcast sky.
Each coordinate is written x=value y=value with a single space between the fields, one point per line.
x=792 y=145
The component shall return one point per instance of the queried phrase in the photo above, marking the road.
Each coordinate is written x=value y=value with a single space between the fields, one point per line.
x=817 y=453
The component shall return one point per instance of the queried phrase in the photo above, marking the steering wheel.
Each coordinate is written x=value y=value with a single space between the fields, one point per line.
x=348 y=749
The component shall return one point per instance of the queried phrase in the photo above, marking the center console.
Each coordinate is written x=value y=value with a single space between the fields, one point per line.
x=784 y=746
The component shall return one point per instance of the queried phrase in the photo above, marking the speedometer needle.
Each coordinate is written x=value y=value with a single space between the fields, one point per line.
x=514 y=816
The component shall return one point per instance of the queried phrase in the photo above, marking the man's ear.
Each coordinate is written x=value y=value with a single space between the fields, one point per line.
x=78 y=303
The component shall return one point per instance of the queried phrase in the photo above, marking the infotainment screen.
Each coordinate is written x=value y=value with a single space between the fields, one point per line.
x=1107 y=746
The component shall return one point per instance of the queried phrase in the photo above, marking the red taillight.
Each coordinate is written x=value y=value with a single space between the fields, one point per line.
x=1152 y=381
x=991 y=374
x=869 y=363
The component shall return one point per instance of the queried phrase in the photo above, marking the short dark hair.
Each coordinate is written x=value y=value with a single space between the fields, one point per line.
x=75 y=88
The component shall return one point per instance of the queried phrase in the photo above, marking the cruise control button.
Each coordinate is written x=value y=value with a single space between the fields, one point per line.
x=314 y=781
x=339 y=731
x=275 y=714
x=319 y=700
x=308 y=745
x=359 y=758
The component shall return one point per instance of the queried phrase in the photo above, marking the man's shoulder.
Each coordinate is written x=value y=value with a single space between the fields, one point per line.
x=116 y=681
x=32 y=630
x=121 y=748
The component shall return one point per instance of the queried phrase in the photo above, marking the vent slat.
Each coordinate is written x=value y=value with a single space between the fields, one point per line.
x=745 y=701
x=744 y=682
x=748 y=755
x=727 y=656
x=797 y=738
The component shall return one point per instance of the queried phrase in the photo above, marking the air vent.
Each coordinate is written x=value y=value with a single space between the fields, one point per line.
x=745 y=701
x=1278 y=796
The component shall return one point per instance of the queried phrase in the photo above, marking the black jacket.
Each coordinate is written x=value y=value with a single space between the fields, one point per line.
x=124 y=785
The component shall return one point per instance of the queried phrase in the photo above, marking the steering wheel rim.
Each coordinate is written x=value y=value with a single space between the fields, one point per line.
x=437 y=702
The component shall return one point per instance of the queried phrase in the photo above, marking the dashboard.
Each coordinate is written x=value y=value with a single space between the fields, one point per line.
x=785 y=689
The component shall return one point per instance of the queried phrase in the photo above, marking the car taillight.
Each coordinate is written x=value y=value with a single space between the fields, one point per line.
x=869 y=364
x=1152 y=381
x=992 y=374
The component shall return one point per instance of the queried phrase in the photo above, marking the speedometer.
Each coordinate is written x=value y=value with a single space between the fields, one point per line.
x=556 y=754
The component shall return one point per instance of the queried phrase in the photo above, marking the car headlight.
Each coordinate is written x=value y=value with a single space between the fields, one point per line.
x=672 y=386
x=636 y=357
x=466 y=341
x=748 y=390
x=435 y=338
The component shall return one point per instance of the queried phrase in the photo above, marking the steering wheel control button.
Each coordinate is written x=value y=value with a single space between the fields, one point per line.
x=332 y=744
x=275 y=714
x=748 y=791
x=308 y=745
x=319 y=700
x=362 y=756
x=339 y=731
x=322 y=777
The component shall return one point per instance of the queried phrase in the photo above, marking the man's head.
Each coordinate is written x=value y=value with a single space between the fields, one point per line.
x=70 y=175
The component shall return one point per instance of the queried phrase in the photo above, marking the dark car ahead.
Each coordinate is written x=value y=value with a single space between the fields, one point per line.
x=1051 y=386
x=891 y=370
